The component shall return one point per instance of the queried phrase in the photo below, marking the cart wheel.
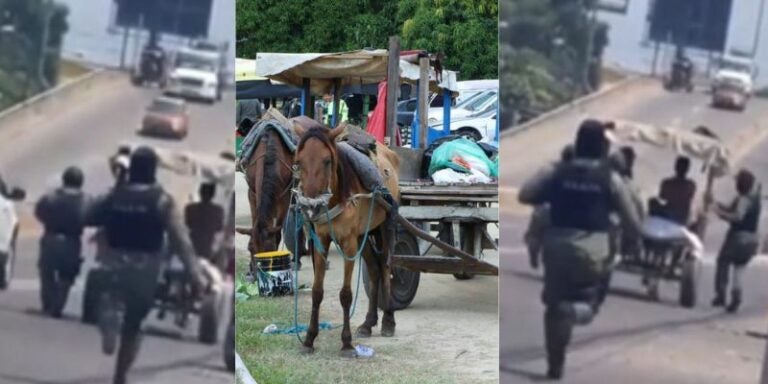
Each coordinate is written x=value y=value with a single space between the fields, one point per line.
x=404 y=283
x=688 y=279
x=208 y=332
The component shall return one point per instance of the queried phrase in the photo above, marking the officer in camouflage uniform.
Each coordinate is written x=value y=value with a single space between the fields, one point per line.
x=582 y=195
x=741 y=241
x=62 y=214
x=136 y=217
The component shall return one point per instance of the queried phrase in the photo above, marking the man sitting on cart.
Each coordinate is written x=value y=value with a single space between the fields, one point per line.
x=677 y=193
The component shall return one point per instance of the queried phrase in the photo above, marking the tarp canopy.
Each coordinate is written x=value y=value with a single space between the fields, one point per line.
x=695 y=145
x=351 y=68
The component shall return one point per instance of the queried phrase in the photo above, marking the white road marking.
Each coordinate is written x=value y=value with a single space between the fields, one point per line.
x=242 y=372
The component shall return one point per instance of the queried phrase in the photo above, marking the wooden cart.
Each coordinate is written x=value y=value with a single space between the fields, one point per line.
x=460 y=214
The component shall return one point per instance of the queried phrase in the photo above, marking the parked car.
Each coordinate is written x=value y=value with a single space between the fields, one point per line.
x=167 y=117
x=406 y=109
x=477 y=104
x=479 y=127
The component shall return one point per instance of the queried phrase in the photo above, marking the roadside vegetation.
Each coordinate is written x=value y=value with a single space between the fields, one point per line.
x=551 y=53
x=464 y=32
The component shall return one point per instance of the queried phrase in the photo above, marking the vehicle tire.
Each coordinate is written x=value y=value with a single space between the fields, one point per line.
x=404 y=283
x=208 y=331
x=469 y=133
x=229 y=348
x=95 y=284
x=688 y=282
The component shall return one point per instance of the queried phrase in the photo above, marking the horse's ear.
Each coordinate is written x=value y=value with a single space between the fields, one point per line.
x=334 y=133
x=299 y=129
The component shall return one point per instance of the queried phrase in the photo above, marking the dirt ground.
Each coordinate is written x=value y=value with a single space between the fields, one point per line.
x=448 y=334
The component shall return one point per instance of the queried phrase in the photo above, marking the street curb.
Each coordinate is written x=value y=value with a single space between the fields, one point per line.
x=565 y=108
x=242 y=372
x=36 y=106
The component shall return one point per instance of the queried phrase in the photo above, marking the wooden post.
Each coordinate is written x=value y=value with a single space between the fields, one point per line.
x=393 y=85
x=306 y=108
x=423 y=101
x=336 y=102
x=366 y=109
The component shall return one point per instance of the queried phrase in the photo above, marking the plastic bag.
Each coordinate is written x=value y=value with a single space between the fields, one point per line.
x=462 y=151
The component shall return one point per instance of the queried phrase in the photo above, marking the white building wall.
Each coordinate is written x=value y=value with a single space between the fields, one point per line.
x=628 y=47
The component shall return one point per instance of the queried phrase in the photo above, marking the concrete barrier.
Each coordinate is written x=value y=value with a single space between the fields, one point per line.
x=56 y=100
x=579 y=103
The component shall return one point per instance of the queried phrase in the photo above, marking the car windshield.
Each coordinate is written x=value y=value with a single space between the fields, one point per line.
x=477 y=103
x=735 y=66
x=184 y=60
x=166 y=106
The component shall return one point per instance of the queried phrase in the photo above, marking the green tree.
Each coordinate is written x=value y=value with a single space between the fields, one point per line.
x=463 y=31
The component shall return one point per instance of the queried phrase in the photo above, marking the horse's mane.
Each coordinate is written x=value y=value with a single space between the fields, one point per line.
x=270 y=181
x=345 y=172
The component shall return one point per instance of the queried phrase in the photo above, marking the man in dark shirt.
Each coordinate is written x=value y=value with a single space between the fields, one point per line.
x=677 y=192
x=204 y=219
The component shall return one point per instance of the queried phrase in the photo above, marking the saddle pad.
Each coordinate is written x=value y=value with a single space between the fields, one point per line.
x=367 y=171
x=254 y=136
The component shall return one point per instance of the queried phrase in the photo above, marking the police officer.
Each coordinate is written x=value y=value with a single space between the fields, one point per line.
x=62 y=214
x=137 y=216
x=581 y=194
x=741 y=241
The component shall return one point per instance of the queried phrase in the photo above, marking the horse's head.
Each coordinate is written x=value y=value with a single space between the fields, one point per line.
x=316 y=161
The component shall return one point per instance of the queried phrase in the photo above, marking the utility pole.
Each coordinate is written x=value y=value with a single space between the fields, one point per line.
x=591 y=28
x=758 y=29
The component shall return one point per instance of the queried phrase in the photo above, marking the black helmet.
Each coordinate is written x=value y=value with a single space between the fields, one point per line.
x=591 y=140
x=143 y=166
x=73 y=177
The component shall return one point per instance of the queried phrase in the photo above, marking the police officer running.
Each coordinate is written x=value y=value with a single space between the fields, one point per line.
x=136 y=217
x=581 y=194
x=62 y=214
x=741 y=241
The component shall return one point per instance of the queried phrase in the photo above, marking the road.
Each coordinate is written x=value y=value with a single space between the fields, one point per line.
x=634 y=340
x=36 y=349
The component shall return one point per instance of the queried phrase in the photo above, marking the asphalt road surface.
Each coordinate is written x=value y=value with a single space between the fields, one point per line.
x=36 y=349
x=635 y=340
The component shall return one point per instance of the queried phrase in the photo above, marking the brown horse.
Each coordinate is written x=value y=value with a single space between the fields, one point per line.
x=269 y=178
x=322 y=168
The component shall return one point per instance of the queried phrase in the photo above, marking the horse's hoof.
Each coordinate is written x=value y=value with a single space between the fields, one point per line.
x=387 y=332
x=348 y=353
x=306 y=350
x=363 y=331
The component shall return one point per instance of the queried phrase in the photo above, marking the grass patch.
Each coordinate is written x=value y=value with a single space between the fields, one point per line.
x=274 y=359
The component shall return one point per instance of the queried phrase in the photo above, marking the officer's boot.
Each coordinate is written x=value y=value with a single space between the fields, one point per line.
x=557 y=332
x=719 y=299
x=735 y=301
x=129 y=349
x=110 y=319
x=61 y=295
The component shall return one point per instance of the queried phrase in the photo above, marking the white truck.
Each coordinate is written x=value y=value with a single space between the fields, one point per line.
x=197 y=73
x=733 y=83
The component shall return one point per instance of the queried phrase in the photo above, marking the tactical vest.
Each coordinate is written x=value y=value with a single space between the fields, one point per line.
x=134 y=221
x=580 y=197
x=65 y=213
x=751 y=219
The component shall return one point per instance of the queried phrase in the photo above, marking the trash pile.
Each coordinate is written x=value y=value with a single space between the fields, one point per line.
x=459 y=160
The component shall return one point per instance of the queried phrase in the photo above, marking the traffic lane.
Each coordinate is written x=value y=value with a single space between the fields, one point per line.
x=646 y=102
x=85 y=136
x=631 y=337
x=37 y=349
